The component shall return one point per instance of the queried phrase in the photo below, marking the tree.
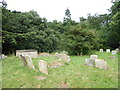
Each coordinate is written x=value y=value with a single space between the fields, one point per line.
x=80 y=40
x=113 y=37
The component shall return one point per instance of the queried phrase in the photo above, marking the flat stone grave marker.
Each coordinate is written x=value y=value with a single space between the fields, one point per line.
x=56 y=63
x=89 y=62
x=29 y=62
x=23 y=59
x=101 y=50
x=43 y=66
x=114 y=52
x=100 y=63
x=108 y=50
x=112 y=57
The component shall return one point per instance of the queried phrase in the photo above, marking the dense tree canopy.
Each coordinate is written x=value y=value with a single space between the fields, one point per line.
x=27 y=30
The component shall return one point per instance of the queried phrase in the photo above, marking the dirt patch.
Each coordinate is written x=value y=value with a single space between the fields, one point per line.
x=63 y=85
x=41 y=77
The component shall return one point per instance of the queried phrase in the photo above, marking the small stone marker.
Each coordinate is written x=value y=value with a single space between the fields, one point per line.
x=100 y=63
x=43 y=66
x=23 y=59
x=89 y=62
x=93 y=57
x=101 y=50
x=114 y=52
x=117 y=50
x=29 y=62
x=108 y=50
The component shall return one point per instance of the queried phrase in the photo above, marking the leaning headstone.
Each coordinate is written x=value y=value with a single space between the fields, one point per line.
x=89 y=62
x=43 y=66
x=23 y=59
x=93 y=57
x=114 y=52
x=101 y=50
x=29 y=62
x=100 y=63
x=108 y=50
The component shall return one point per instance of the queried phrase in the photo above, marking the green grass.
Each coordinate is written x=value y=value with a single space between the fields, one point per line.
x=73 y=75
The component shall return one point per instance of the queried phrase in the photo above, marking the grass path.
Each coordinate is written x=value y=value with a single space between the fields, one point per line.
x=74 y=75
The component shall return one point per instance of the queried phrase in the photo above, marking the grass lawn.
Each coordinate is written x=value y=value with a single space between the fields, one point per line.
x=73 y=75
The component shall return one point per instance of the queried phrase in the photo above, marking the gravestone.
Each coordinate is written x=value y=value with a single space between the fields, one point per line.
x=31 y=53
x=55 y=64
x=100 y=63
x=114 y=52
x=29 y=62
x=117 y=50
x=43 y=66
x=101 y=50
x=108 y=50
x=65 y=57
x=93 y=57
x=89 y=62
x=23 y=59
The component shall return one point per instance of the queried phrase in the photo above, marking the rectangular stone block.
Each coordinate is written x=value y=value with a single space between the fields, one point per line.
x=108 y=50
x=114 y=52
x=101 y=50
x=100 y=63
x=43 y=66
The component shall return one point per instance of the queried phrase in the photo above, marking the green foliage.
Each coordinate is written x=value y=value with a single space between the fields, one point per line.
x=80 y=40
x=113 y=37
x=27 y=30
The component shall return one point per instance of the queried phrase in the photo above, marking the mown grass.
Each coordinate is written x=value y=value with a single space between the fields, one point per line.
x=73 y=75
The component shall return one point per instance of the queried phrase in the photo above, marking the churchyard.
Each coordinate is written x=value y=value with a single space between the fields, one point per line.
x=75 y=72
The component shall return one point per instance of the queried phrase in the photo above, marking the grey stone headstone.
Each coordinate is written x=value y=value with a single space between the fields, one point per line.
x=117 y=50
x=43 y=66
x=101 y=50
x=100 y=63
x=29 y=62
x=89 y=62
x=114 y=52
x=108 y=50
x=23 y=59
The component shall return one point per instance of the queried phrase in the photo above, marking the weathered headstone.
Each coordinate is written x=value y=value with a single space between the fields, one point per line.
x=101 y=50
x=100 y=63
x=114 y=52
x=108 y=50
x=117 y=50
x=23 y=59
x=31 y=53
x=65 y=57
x=29 y=62
x=89 y=62
x=93 y=57
x=43 y=66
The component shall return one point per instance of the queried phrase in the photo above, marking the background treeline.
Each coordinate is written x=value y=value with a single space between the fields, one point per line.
x=27 y=30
